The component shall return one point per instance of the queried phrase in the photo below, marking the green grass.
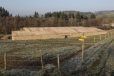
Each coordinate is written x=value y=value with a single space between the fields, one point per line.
x=111 y=58
x=32 y=49
x=34 y=46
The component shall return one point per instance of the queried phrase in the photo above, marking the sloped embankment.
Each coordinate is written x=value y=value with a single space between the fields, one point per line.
x=94 y=61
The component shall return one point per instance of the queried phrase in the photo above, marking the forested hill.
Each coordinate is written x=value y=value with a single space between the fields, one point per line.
x=9 y=23
x=75 y=12
x=108 y=14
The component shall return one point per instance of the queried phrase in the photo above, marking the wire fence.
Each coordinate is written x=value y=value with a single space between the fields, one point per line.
x=9 y=61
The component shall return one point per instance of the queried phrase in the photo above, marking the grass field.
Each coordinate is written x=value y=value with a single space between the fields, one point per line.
x=111 y=57
x=27 y=53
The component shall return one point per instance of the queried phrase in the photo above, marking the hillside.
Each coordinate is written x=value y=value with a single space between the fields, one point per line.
x=9 y=23
x=75 y=12
x=105 y=14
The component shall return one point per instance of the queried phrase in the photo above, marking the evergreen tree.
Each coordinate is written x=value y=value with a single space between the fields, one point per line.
x=47 y=15
x=78 y=17
x=36 y=15
x=92 y=16
x=3 y=12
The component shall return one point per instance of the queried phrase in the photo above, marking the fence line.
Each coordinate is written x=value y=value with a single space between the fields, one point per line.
x=23 y=61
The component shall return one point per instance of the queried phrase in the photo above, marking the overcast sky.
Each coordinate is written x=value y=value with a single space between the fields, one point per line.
x=26 y=7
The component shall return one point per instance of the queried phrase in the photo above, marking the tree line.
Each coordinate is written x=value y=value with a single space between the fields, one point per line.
x=8 y=23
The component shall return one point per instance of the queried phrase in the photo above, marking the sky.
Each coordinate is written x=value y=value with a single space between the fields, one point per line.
x=27 y=7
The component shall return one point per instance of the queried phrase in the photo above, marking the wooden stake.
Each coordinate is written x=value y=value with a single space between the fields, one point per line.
x=100 y=37
x=110 y=34
x=5 y=61
x=82 y=51
x=105 y=36
x=41 y=60
x=58 y=62
x=94 y=40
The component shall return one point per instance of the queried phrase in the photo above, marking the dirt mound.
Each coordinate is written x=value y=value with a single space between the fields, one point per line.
x=32 y=33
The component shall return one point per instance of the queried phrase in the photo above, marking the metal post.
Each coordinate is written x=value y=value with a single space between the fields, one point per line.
x=5 y=61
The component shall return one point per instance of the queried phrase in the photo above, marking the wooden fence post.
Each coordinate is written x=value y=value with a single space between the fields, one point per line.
x=5 y=61
x=100 y=37
x=111 y=34
x=58 y=61
x=58 y=64
x=82 y=51
x=41 y=60
x=105 y=36
x=94 y=40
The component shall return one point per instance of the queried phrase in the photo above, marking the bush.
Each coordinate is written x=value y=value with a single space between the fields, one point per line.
x=17 y=73
x=1 y=74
